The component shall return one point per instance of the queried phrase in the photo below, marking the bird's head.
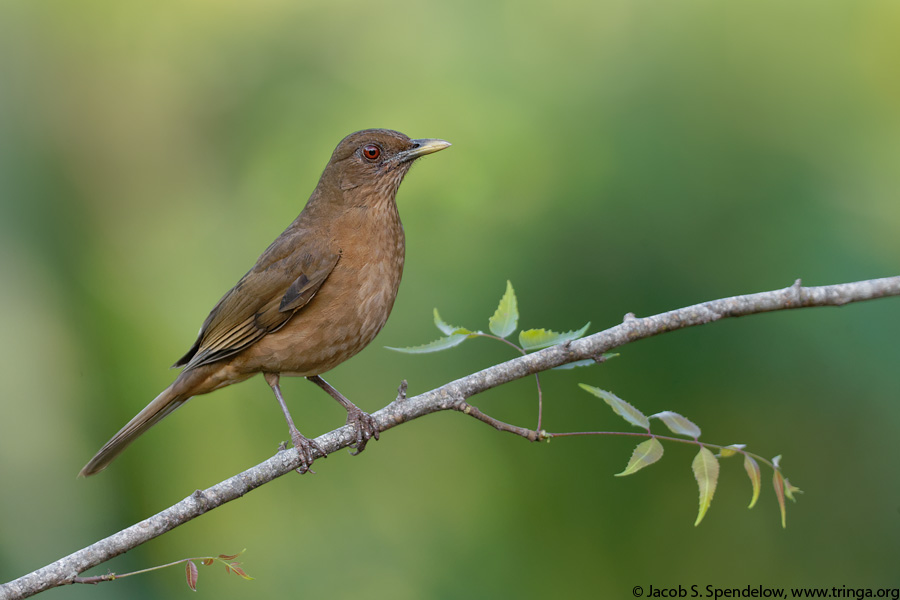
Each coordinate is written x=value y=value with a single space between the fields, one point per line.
x=374 y=161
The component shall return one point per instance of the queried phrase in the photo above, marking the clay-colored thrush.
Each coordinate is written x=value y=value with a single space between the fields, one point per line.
x=317 y=296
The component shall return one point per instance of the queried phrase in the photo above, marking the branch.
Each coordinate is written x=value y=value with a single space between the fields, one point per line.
x=450 y=396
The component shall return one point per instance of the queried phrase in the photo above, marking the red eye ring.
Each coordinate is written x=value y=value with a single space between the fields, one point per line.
x=371 y=151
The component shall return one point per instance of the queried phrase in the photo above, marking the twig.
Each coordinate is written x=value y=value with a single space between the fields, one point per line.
x=451 y=396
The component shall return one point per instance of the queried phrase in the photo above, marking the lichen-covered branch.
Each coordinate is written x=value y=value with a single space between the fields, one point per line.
x=451 y=396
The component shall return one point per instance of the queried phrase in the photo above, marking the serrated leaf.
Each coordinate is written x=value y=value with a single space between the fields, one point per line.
x=621 y=408
x=437 y=345
x=445 y=327
x=778 y=483
x=706 y=472
x=191 y=574
x=230 y=556
x=645 y=454
x=678 y=424
x=731 y=450
x=207 y=561
x=533 y=339
x=506 y=318
x=752 y=469
x=577 y=363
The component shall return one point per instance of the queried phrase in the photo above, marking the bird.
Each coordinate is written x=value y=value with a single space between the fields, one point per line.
x=318 y=295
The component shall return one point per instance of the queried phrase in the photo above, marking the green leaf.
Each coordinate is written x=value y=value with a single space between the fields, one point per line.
x=439 y=344
x=578 y=363
x=731 y=450
x=533 y=339
x=621 y=408
x=677 y=424
x=446 y=328
x=706 y=472
x=506 y=317
x=645 y=454
x=778 y=483
x=587 y=362
x=790 y=490
x=752 y=469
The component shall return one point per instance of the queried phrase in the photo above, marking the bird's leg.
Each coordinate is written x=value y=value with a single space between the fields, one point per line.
x=303 y=444
x=363 y=421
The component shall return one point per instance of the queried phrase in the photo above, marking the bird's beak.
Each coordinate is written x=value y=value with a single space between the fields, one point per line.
x=421 y=148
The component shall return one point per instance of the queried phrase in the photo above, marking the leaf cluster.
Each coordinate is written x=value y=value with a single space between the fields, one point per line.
x=192 y=573
x=504 y=322
x=705 y=464
x=501 y=325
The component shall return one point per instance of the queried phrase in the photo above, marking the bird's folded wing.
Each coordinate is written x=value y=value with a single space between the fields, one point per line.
x=283 y=281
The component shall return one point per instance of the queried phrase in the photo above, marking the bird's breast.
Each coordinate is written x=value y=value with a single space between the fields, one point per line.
x=349 y=309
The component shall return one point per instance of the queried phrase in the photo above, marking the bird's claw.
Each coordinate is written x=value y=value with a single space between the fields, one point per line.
x=305 y=448
x=365 y=426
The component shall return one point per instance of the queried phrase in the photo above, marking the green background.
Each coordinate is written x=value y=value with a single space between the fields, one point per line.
x=608 y=157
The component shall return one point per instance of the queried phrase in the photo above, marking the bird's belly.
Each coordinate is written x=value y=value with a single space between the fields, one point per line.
x=343 y=318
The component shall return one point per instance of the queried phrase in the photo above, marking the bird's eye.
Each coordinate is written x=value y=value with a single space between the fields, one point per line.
x=371 y=151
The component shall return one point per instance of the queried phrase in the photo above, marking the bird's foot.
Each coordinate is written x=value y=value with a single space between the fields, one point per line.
x=305 y=448
x=365 y=426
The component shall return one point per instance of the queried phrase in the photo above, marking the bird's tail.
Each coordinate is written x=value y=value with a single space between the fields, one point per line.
x=153 y=413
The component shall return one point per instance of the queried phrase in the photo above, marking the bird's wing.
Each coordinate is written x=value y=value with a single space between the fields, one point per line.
x=283 y=281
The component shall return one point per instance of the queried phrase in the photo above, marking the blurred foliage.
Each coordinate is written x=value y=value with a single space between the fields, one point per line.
x=608 y=157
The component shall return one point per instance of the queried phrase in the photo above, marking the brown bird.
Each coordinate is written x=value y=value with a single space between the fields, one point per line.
x=317 y=296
